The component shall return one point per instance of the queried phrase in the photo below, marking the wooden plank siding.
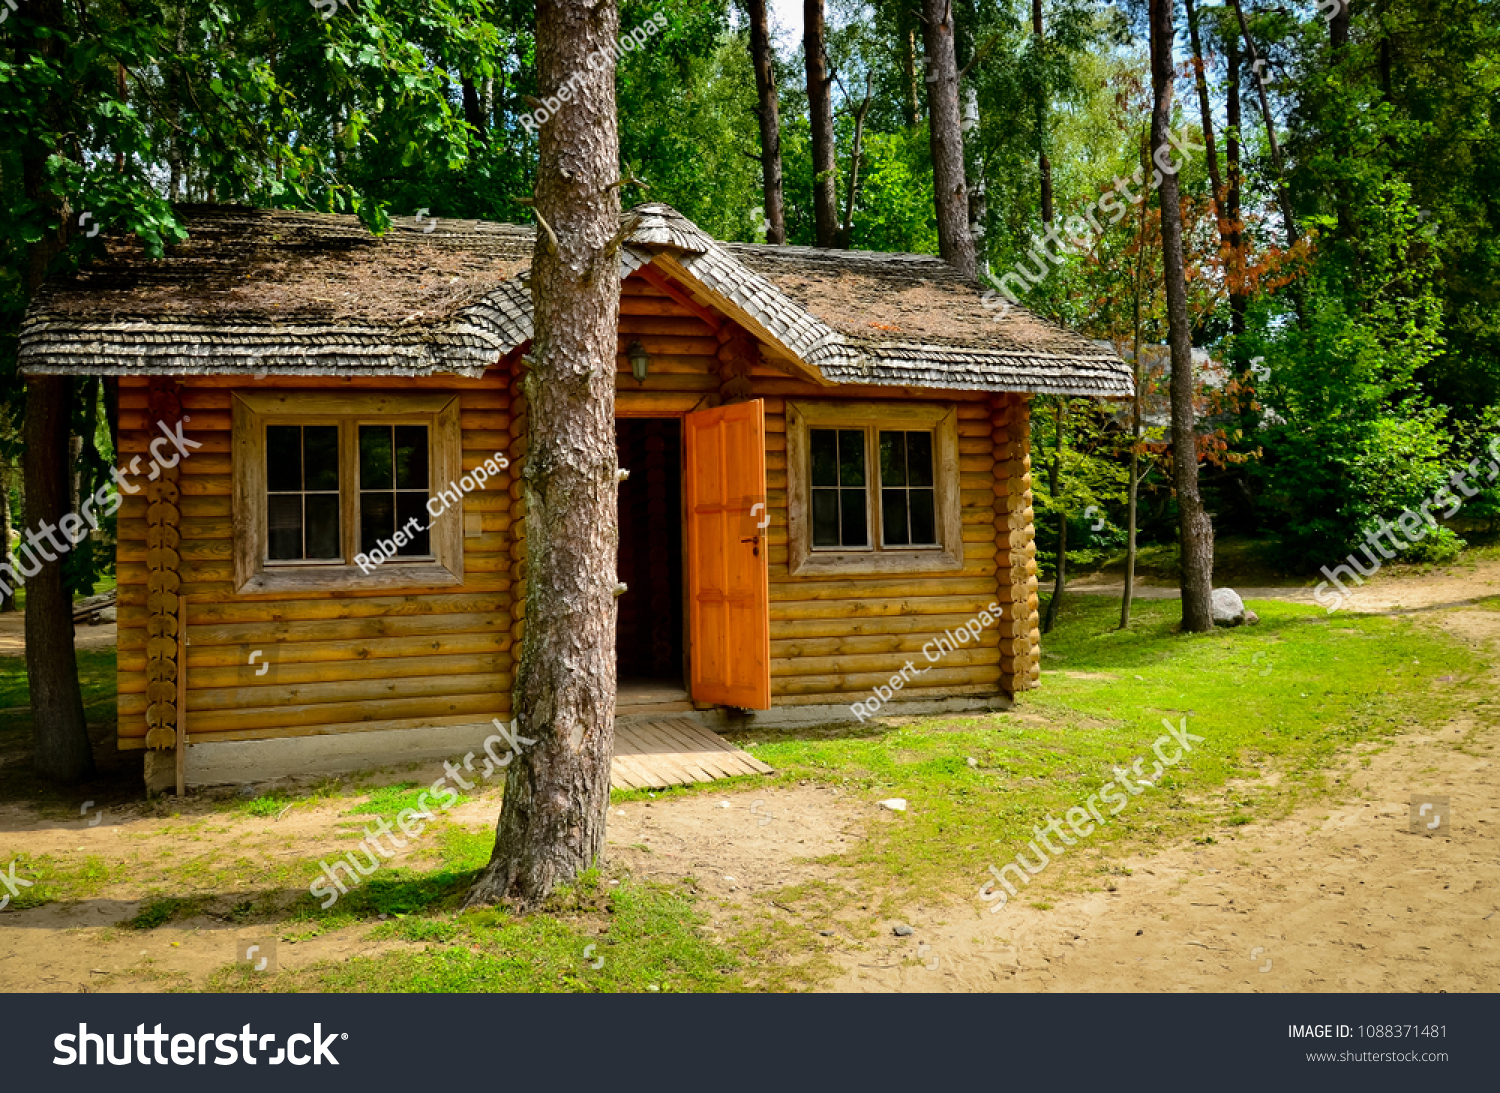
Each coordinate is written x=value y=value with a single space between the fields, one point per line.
x=347 y=662
x=367 y=660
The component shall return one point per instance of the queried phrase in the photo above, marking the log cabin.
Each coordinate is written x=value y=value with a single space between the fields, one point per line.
x=828 y=455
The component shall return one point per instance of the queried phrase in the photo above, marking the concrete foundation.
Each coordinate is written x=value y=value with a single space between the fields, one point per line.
x=161 y=772
x=236 y=762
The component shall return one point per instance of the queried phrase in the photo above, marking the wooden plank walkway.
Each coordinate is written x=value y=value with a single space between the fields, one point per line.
x=667 y=751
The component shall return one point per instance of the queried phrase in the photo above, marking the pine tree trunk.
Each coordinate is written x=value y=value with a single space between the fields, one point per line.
x=912 y=103
x=62 y=749
x=1137 y=373
x=1195 y=531
x=552 y=822
x=769 y=111
x=1238 y=302
x=949 y=186
x=1044 y=165
x=820 y=116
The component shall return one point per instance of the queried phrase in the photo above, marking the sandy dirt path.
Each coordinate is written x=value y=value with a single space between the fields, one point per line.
x=1337 y=897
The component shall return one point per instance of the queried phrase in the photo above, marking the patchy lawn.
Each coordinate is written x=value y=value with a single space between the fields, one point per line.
x=1276 y=704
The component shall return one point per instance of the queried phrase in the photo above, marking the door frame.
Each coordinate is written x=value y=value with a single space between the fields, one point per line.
x=686 y=631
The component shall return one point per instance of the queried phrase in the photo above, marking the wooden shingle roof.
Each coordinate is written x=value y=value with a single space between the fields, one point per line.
x=272 y=291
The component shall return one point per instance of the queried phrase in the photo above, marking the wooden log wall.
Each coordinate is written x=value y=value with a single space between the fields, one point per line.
x=337 y=663
x=163 y=571
x=365 y=660
x=1015 y=539
x=834 y=638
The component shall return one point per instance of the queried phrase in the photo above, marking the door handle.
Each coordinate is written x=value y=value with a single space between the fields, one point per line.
x=756 y=541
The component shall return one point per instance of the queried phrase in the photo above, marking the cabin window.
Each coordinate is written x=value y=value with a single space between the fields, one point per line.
x=394 y=487
x=302 y=493
x=321 y=496
x=873 y=487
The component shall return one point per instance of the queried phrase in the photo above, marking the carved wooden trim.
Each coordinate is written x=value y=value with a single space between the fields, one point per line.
x=163 y=579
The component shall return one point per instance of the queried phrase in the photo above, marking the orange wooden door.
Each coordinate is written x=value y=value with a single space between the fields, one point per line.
x=729 y=599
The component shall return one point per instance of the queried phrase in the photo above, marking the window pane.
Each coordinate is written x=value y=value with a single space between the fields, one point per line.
x=893 y=518
x=851 y=457
x=375 y=457
x=918 y=460
x=323 y=526
x=923 y=518
x=825 y=506
x=320 y=457
x=855 y=529
x=285 y=518
x=409 y=506
x=411 y=457
x=377 y=519
x=825 y=457
x=893 y=459
x=283 y=458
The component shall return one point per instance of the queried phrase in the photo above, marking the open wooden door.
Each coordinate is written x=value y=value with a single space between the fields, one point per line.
x=729 y=600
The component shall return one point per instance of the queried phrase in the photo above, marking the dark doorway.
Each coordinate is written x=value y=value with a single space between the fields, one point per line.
x=649 y=635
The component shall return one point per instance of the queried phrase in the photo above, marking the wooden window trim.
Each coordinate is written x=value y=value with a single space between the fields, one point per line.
x=252 y=411
x=941 y=419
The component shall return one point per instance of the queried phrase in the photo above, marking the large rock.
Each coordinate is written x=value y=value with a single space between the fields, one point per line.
x=1228 y=609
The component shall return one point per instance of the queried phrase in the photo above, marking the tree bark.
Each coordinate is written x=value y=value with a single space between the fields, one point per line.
x=551 y=825
x=946 y=133
x=1044 y=165
x=769 y=113
x=1195 y=531
x=1283 y=195
x=473 y=108
x=1060 y=579
x=846 y=233
x=1238 y=302
x=62 y=749
x=1133 y=506
x=912 y=106
x=1338 y=26
x=820 y=115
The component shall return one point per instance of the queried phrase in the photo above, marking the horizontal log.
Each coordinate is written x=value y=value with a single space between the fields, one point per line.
x=916 y=644
x=374 y=692
x=354 y=383
x=908 y=694
x=979 y=581
x=134 y=742
x=635 y=323
x=266 y=722
x=853 y=684
x=875 y=663
x=966 y=605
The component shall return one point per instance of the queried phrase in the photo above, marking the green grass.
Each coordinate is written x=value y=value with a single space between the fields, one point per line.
x=645 y=938
x=1286 y=696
